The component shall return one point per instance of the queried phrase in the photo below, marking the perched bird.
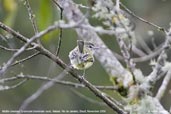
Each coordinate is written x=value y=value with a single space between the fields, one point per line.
x=81 y=57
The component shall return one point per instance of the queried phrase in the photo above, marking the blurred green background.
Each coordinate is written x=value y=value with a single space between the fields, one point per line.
x=14 y=14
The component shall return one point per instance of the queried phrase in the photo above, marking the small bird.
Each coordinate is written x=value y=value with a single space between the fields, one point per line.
x=81 y=57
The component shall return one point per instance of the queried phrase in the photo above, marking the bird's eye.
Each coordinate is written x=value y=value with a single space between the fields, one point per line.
x=90 y=46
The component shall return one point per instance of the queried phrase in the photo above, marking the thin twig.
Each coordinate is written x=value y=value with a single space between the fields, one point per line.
x=143 y=20
x=13 y=86
x=32 y=18
x=14 y=50
x=60 y=32
x=66 y=83
x=25 y=59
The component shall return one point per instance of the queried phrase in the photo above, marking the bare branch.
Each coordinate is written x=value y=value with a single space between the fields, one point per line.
x=110 y=102
x=164 y=85
x=66 y=83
